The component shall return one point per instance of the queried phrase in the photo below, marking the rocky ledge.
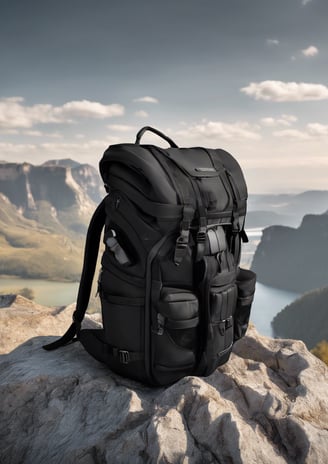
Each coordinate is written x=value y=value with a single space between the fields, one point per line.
x=268 y=404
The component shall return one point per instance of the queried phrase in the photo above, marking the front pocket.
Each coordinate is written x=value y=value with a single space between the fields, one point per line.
x=174 y=334
x=123 y=321
x=222 y=303
x=246 y=281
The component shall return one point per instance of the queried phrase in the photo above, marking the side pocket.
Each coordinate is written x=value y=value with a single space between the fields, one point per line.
x=174 y=334
x=246 y=281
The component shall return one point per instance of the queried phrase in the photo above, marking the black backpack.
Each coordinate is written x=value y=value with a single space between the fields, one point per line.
x=174 y=299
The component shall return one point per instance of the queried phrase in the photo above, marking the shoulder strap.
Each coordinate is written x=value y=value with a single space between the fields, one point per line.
x=89 y=265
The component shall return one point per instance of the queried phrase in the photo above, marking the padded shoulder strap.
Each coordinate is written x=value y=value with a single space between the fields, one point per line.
x=89 y=265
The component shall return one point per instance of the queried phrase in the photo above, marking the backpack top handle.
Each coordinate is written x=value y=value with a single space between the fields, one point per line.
x=157 y=132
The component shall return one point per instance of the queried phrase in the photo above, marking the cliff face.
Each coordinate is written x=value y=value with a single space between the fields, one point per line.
x=294 y=259
x=44 y=214
x=268 y=404
x=59 y=184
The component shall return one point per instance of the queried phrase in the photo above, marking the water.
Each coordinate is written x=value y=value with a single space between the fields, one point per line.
x=45 y=292
x=268 y=302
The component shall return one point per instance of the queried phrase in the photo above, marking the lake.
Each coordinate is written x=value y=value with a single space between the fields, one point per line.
x=267 y=303
x=46 y=292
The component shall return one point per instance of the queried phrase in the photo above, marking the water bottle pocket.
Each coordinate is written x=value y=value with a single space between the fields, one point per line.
x=246 y=281
x=220 y=326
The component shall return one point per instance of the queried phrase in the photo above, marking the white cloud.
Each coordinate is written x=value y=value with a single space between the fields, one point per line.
x=14 y=114
x=222 y=130
x=36 y=133
x=141 y=114
x=89 y=109
x=283 y=120
x=272 y=41
x=8 y=148
x=317 y=129
x=121 y=127
x=305 y=2
x=310 y=51
x=292 y=134
x=146 y=99
x=312 y=131
x=278 y=91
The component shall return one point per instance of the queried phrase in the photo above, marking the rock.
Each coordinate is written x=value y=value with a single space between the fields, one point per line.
x=268 y=404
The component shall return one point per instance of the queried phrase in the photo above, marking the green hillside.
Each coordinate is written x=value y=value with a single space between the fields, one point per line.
x=31 y=250
x=305 y=319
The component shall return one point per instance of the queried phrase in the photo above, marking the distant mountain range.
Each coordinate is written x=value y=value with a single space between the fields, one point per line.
x=44 y=214
x=45 y=210
x=294 y=259
x=286 y=209
x=57 y=194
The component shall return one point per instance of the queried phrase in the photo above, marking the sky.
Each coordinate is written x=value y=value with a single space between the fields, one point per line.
x=248 y=76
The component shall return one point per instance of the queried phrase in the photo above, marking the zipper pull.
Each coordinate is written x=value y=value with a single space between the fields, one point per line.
x=117 y=202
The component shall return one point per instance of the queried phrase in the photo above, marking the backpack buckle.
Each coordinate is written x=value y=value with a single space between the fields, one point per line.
x=201 y=236
x=124 y=356
x=181 y=246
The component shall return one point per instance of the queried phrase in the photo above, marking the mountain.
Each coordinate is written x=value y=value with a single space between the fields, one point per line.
x=44 y=214
x=57 y=194
x=285 y=209
x=267 y=405
x=30 y=250
x=261 y=218
x=294 y=259
x=305 y=318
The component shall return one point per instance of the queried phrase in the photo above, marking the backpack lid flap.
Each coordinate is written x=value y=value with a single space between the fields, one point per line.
x=195 y=161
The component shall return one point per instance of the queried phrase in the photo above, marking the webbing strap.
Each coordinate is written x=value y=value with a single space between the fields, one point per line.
x=89 y=265
x=184 y=324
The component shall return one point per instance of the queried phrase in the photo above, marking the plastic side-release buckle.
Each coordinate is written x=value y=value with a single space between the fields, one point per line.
x=201 y=236
x=124 y=356
x=181 y=246
x=201 y=239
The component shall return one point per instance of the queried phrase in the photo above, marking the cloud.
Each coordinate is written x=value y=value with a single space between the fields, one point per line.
x=312 y=131
x=305 y=2
x=292 y=134
x=284 y=120
x=84 y=151
x=146 y=99
x=36 y=133
x=89 y=109
x=222 y=130
x=141 y=114
x=272 y=41
x=278 y=91
x=317 y=129
x=14 y=114
x=310 y=51
x=121 y=127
